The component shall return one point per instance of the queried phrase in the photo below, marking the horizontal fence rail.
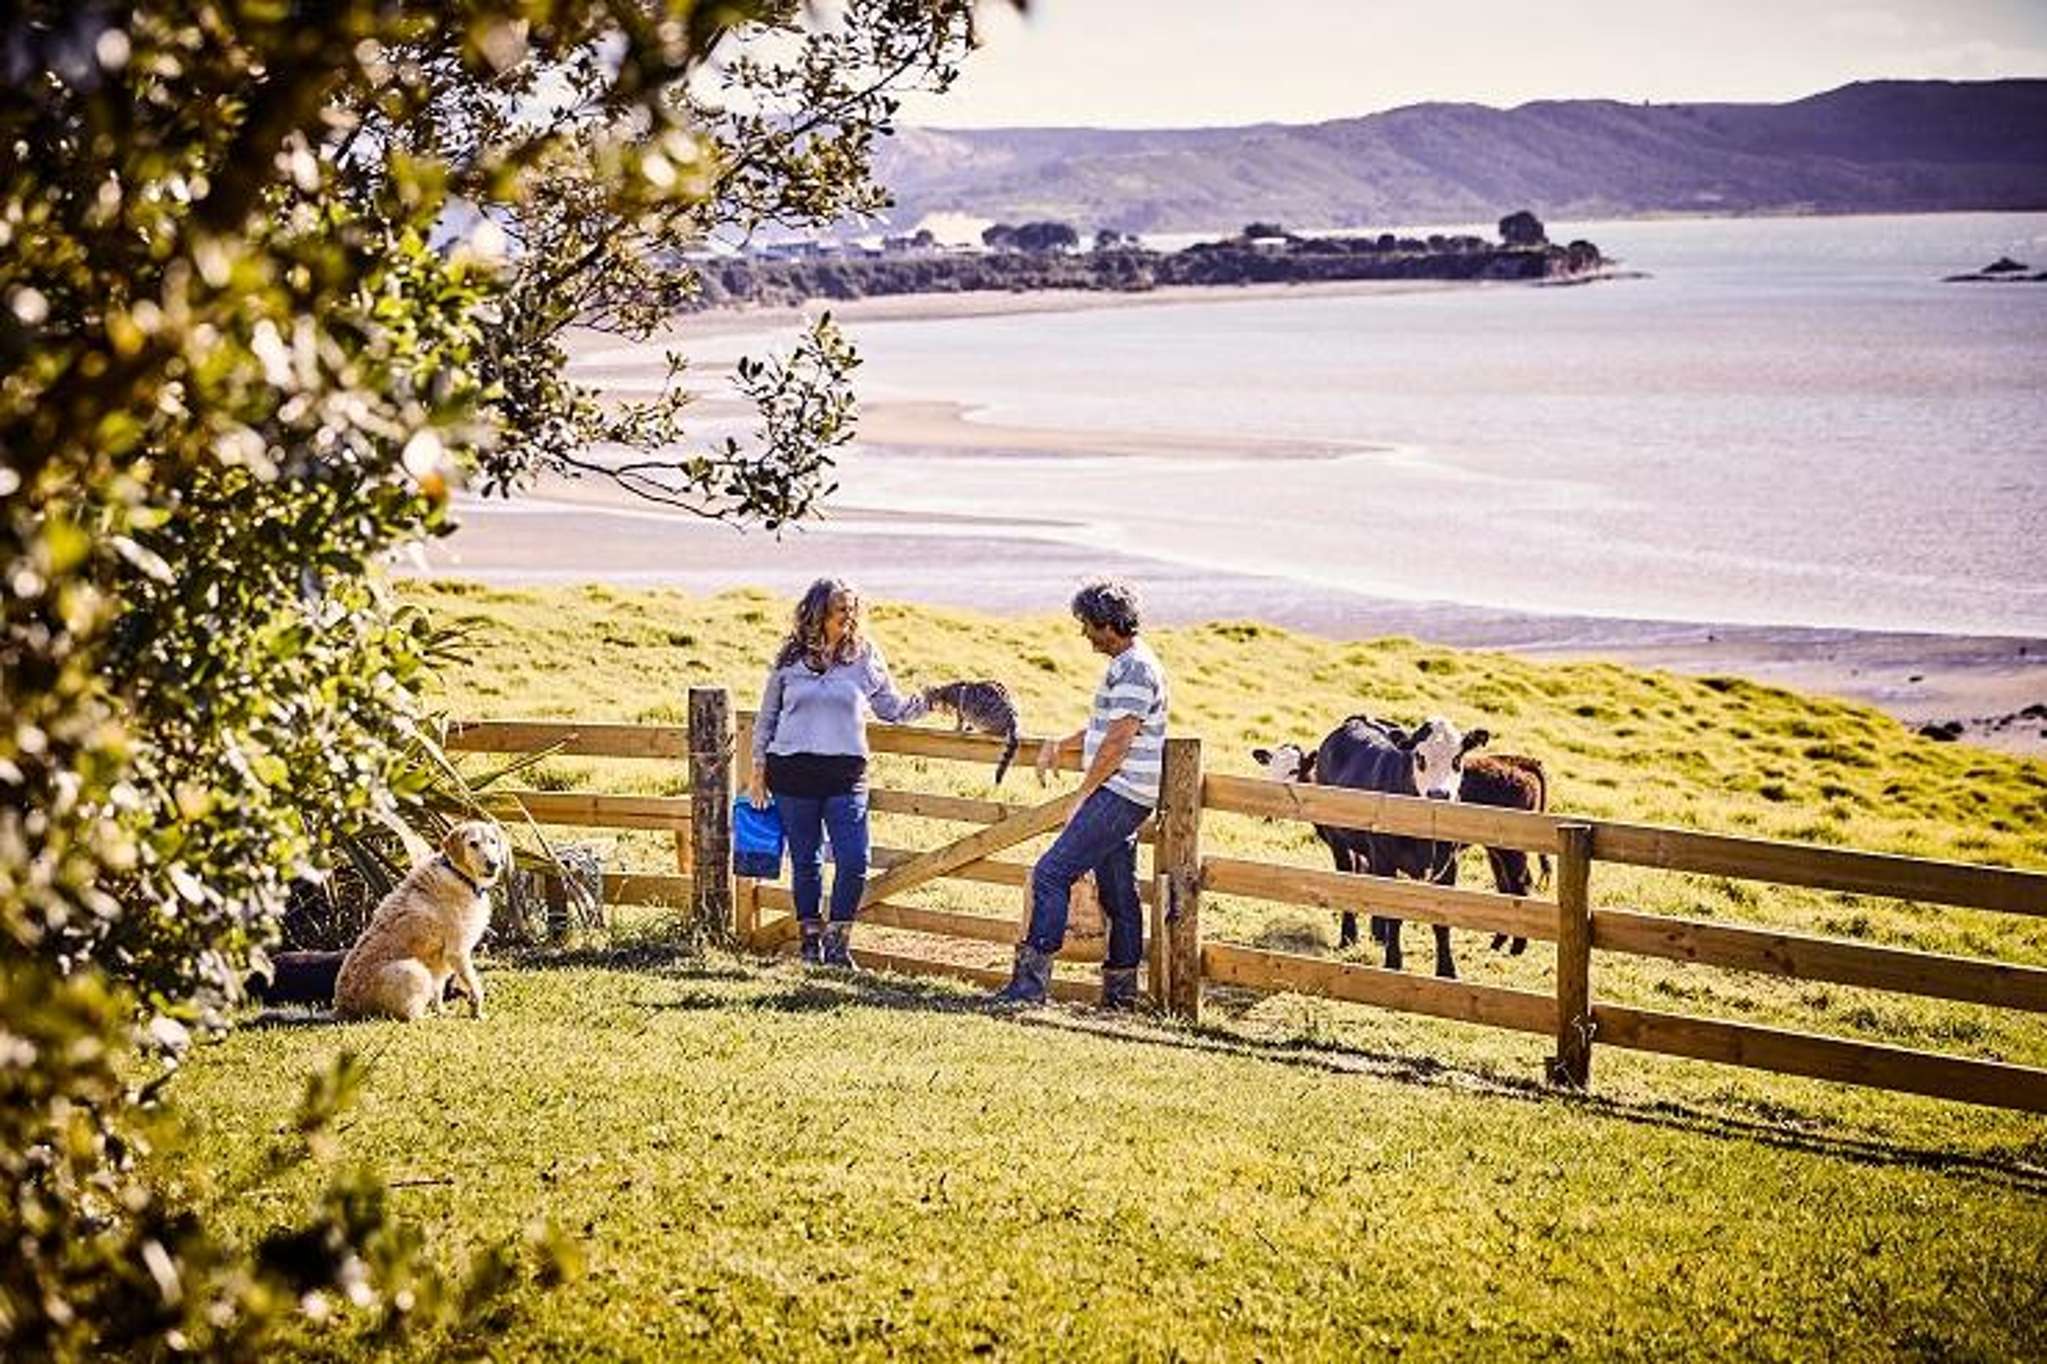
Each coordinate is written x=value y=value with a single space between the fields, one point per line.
x=570 y=738
x=1962 y=884
x=1375 y=812
x=1805 y=957
x=1825 y=1058
x=1803 y=864
x=923 y=805
x=590 y=810
x=1181 y=962
x=645 y=888
x=1252 y=968
x=1478 y=910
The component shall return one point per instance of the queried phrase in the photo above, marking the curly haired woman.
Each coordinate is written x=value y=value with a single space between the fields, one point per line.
x=810 y=750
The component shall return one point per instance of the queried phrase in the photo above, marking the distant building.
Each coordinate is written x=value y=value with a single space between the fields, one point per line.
x=798 y=250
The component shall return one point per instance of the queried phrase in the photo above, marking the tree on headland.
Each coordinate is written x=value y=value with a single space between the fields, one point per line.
x=1522 y=228
x=1040 y=238
x=244 y=359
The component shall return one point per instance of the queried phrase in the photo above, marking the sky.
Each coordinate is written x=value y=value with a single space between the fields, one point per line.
x=1197 y=63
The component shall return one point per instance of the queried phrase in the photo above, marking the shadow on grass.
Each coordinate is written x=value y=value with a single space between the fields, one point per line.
x=1336 y=1058
x=820 y=991
x=649 y=955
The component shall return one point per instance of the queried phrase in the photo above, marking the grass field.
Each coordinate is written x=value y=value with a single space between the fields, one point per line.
x=760 y=1162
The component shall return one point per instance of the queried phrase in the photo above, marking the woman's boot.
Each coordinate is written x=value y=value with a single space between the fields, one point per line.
x=1030 y=981
x=837 y=947
x=813 y=942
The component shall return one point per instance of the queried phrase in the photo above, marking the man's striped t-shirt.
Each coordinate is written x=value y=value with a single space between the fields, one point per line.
x=1135 y=684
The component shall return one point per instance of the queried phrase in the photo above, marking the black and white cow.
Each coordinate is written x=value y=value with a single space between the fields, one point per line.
x=1365 y=754
x=1440 y=763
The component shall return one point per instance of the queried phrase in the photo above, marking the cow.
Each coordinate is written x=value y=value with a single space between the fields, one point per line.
x=1368 y=755
x=1505 y=781
x=1508 y=781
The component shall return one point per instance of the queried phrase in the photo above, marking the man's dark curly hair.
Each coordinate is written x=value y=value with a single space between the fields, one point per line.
x=1107 y=604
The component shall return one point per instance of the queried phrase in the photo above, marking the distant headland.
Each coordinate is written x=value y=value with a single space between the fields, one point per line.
x=1048 y=255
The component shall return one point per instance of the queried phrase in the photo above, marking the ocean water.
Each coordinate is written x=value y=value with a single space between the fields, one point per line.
x=1778 y=422
x=1786 y=421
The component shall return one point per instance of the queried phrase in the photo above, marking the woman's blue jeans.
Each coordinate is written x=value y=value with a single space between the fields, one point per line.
x=807 y=821
x=1101 y=837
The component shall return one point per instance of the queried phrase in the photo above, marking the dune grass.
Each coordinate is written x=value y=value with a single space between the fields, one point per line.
x=760 y=1162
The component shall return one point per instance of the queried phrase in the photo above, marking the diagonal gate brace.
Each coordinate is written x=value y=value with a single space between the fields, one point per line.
x=1024 y=824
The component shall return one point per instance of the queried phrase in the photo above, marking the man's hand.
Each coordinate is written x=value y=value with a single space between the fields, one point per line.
x=757 y=789
x=1048 y=758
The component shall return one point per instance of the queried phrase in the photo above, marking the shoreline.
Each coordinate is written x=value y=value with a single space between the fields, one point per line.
x=1022 y=565
x=561 y=537
x=941 y=307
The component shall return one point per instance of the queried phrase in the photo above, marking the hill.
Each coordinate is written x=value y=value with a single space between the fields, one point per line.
x=1870 y=147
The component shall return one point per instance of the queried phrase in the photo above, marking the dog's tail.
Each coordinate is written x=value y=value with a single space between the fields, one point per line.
x=1008 y=752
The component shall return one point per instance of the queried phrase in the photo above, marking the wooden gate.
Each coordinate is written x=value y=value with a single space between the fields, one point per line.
x=764 y=915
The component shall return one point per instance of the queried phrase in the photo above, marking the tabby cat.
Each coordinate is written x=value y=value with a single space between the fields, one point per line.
x=984 y=707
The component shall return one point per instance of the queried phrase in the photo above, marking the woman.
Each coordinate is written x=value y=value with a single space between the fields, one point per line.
x=810 y=749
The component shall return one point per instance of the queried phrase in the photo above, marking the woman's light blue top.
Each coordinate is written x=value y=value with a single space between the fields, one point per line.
x=804 y=711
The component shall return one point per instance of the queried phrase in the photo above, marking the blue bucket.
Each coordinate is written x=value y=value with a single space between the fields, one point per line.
x=756 y=841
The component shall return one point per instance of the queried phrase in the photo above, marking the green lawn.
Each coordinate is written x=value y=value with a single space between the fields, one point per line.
x=764 y=1163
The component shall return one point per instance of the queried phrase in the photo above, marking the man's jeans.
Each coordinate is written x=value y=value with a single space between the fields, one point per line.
x=806 y=820
x=1101 y=837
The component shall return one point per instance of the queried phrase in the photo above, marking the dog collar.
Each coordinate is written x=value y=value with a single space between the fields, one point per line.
x=460 y=874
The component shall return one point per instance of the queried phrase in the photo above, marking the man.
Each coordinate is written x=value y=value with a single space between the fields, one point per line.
x=1122 y=750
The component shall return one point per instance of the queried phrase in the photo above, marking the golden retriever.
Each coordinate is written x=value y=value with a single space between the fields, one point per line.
x=424 y=931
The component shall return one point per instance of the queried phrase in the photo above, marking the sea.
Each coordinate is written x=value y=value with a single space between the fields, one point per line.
x=1764 y=421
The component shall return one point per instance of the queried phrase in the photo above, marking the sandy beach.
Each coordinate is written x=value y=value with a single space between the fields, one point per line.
x=995 y=558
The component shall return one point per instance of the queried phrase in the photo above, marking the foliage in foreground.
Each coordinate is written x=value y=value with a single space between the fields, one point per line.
x=116 y=1266
x=240 y=364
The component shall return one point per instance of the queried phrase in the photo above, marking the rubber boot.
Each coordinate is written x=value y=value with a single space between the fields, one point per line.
x=1119 y=989
x=1029 y=983
x=838 y=941
x=813 y=942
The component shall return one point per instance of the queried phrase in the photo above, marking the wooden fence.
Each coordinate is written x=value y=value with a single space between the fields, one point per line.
x=714 y=746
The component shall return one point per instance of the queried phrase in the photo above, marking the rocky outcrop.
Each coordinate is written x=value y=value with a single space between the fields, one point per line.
x=2002 y=270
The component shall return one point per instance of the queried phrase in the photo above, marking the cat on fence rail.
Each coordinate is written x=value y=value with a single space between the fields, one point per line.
x=982 y=706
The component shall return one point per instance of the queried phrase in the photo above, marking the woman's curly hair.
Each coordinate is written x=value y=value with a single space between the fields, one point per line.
x=805 y=642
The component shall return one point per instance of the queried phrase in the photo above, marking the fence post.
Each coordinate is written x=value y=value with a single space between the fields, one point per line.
x=1572 y=1065
x=710 y=823
x=1177 y=863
